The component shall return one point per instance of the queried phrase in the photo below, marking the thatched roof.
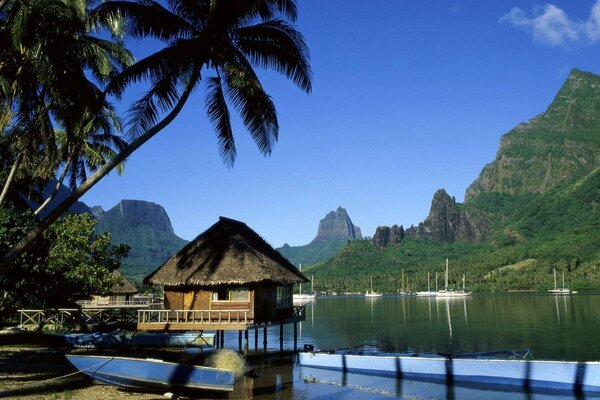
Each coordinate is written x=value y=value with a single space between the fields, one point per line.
x=125 y=287
x=228 y=253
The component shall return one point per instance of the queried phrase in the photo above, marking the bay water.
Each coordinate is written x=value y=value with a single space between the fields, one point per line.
x=553 y=327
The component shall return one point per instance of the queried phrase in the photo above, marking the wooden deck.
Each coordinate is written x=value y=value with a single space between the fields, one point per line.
x=225 y=320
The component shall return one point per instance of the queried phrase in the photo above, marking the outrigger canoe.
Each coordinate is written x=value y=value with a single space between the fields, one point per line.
x=495 y=368
x=152 y=374
x=138 y=339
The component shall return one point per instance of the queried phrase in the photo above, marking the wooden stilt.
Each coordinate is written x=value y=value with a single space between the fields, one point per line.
x=246 y=341
x=255 y=339
x=280 y=337
x=265 y=339
x=295 y=336
x=240 y=340
x=222 y=338
x=217 y=342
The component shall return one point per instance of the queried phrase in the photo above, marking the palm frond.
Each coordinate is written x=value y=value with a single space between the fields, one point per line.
x=252 y=103
x=277 y=45
x=145 y=18
x=218 y=113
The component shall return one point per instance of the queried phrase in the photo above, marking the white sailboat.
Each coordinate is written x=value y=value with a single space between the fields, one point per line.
x=447 y=292
x=305 y=296
x=557 y=290
x=371 y=293
x=429 y=292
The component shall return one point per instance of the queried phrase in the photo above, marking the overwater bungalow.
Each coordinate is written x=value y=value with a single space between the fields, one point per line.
x=228 y=278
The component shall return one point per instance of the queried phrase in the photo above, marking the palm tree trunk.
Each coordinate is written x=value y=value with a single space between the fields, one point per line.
x=57 y=212
x=10 y=178
x=56 y=189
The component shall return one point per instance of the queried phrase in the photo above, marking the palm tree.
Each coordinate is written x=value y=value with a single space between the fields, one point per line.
x=44 y=72
x=226 y=37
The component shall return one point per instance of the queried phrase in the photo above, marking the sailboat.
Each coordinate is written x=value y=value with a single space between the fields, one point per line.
x=429 y=292
x=371 y=293
x=447 y=292
x=557 y=290
x=308 y=295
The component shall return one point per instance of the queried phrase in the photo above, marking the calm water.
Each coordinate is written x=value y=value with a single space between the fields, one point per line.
x=552 y=327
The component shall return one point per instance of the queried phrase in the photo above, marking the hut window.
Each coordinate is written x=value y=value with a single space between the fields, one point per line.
x=239 y=294
x=227 y=294
x=221 y=294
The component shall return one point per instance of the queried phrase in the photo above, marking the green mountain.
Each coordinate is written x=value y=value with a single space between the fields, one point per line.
x=335 y=230
x=144 y=226
x=534 y=208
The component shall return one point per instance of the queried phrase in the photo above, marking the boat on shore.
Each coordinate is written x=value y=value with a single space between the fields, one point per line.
x=509 y=368
x=153 y=374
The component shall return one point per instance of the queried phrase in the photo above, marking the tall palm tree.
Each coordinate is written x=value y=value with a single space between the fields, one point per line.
x=227 y=38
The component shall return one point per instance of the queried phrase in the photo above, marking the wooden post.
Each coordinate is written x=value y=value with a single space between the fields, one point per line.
x=255 y=339
x=295 y=336
x=217 y=342
x=280 y=337
x=222 y=338
x=246 y=341
x=265 y=339
x=240 y=340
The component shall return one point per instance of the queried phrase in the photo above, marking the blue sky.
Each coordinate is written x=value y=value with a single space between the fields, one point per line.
x=408 y=97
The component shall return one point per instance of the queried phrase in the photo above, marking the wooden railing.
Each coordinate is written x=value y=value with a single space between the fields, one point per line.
x=193 y=317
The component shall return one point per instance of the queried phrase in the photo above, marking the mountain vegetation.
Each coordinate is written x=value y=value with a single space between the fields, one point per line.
x=145 y=227
x=534 y=209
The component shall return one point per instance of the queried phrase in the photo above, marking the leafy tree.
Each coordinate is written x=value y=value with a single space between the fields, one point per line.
x=69 y=263
x=226 y=37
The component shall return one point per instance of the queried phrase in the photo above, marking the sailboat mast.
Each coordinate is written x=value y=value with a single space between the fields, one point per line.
x=428 y=285
x=300 y=284
x=554 y=278
x=563 y=280
x=312 y=284
x=446 y=285
x=463 y=282
x=436 y=285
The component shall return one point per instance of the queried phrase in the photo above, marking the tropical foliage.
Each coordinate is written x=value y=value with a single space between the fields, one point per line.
x=69 y=263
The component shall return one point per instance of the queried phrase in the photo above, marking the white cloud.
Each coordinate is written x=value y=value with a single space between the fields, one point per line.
x=550 y=25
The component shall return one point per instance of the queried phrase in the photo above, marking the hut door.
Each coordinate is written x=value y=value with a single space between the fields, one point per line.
x=188 y=300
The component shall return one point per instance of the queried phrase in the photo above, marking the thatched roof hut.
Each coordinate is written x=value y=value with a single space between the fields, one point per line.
x=228 y=253
x=125 y=287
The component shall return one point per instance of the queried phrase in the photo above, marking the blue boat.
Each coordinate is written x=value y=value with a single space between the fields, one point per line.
x=491 y=368
x=152 y=374
x=139 y=339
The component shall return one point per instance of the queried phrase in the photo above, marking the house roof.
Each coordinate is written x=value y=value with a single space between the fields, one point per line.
x=125 y=286
x=228 y=253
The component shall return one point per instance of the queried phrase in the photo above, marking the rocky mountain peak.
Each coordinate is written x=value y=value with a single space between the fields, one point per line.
x=137 y=213
x=449 y=221
x=337 y=225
